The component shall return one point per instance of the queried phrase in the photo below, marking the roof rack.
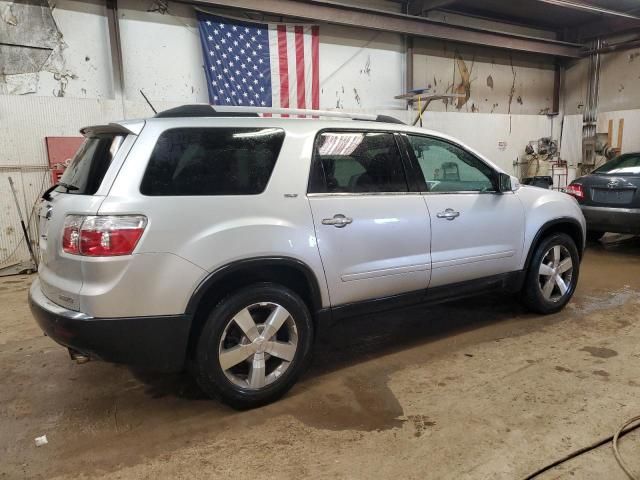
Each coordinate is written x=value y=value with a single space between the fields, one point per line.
x=202 y=110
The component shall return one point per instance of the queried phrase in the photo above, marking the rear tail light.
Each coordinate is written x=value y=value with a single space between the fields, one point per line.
x=71 y=234
x=575 y=189
x=102 y=235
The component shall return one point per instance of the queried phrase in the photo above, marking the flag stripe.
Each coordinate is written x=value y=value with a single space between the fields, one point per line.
x=315 y=76
x=291 y=52
x=308 y=66
x=275 y=70
x=260 y=64
x=300 y=66
x=283 y=66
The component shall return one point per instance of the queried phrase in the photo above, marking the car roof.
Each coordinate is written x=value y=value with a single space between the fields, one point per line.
x=205 y=115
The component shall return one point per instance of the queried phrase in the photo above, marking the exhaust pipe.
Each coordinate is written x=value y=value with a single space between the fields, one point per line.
x=78 y=357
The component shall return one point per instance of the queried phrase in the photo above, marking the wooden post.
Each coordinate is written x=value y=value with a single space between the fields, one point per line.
x=620 y=132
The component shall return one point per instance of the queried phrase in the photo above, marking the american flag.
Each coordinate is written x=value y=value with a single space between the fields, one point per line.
x=259 y=64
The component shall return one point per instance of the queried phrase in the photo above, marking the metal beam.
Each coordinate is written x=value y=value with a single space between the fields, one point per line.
x=420 y=7
x=355 y=16
x=588 y=8
x=408 y=54
x=113 y=27
x=615 y=47
x=605 y=28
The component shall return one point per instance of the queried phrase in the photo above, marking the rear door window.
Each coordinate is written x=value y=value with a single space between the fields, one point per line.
x=90 y=164
x=212 y=161
x=622 y=165
x=357 y=162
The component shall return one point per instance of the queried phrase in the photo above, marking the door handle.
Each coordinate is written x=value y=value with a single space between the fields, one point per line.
x=449 y=214
x=338 y=221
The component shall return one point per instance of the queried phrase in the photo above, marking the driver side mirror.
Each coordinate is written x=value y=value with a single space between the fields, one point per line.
x=504 y=183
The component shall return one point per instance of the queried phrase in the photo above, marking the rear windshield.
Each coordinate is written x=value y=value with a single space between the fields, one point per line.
x=621 y=165
x=212 y=161
x=91 y=163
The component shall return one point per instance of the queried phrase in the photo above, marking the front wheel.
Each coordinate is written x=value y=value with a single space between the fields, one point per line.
x=254 y=346
x=553 y=274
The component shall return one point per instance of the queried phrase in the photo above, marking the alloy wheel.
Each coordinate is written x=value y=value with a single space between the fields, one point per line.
x=555 y=273
x=258 y=345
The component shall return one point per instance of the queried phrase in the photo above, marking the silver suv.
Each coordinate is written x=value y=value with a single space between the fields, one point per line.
x=220 y=240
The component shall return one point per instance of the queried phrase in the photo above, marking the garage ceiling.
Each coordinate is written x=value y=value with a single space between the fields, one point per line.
x=577 y=19
x=545 y=14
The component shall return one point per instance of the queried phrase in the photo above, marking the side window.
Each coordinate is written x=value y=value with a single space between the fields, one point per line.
x=357 y=162
x=212 y=161
x=449 y=168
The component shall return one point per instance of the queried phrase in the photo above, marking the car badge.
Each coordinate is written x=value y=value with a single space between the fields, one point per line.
x=612 y=184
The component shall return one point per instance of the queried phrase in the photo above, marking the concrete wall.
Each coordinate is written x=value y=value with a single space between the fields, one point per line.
x=618 y=98
x=619 y=82
x=491 y=81
x=574 y=87
x=78 y=63
x=73 y=83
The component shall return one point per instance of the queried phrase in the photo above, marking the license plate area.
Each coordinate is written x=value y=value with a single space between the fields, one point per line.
x=615 y=197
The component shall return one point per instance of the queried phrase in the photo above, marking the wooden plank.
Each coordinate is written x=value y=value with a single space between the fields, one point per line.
x=620 y=132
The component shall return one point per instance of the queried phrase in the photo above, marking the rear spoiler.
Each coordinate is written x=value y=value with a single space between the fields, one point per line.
x=126 y=127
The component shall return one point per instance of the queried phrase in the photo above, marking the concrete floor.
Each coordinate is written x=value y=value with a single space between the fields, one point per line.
x=478 y=389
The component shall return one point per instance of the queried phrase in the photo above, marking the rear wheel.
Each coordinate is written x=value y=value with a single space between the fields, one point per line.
x=594 y=235
x=254 y=346
x=553 y=274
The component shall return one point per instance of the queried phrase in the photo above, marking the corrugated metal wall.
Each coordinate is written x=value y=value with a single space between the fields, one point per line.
x=25 y=121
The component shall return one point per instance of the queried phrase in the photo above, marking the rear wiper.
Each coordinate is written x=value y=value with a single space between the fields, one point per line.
x=68 y=186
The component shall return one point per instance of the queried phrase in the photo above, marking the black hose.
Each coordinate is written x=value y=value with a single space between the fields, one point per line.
x=622 y=431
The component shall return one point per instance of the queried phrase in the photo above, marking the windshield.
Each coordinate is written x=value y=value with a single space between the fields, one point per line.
x=91 y=163
x=622 y=165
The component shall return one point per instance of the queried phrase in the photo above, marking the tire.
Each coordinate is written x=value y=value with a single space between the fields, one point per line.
x=534 y=295
x=234 y=329
x=594 y=235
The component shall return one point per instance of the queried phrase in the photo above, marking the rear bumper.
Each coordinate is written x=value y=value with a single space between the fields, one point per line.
x=611 y=219
x=156 y=343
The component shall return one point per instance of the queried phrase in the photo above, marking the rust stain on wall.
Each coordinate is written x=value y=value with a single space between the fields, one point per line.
x=367 y=67
x=357 y=97
x=490 y=82
x=464 y=87
x=513 y=85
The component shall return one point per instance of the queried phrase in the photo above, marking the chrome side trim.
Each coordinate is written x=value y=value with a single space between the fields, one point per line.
x=377 y=194
x=361 y=194
x=468 y=193
x=384 y=272
x=611 y=209
x=474 y=259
